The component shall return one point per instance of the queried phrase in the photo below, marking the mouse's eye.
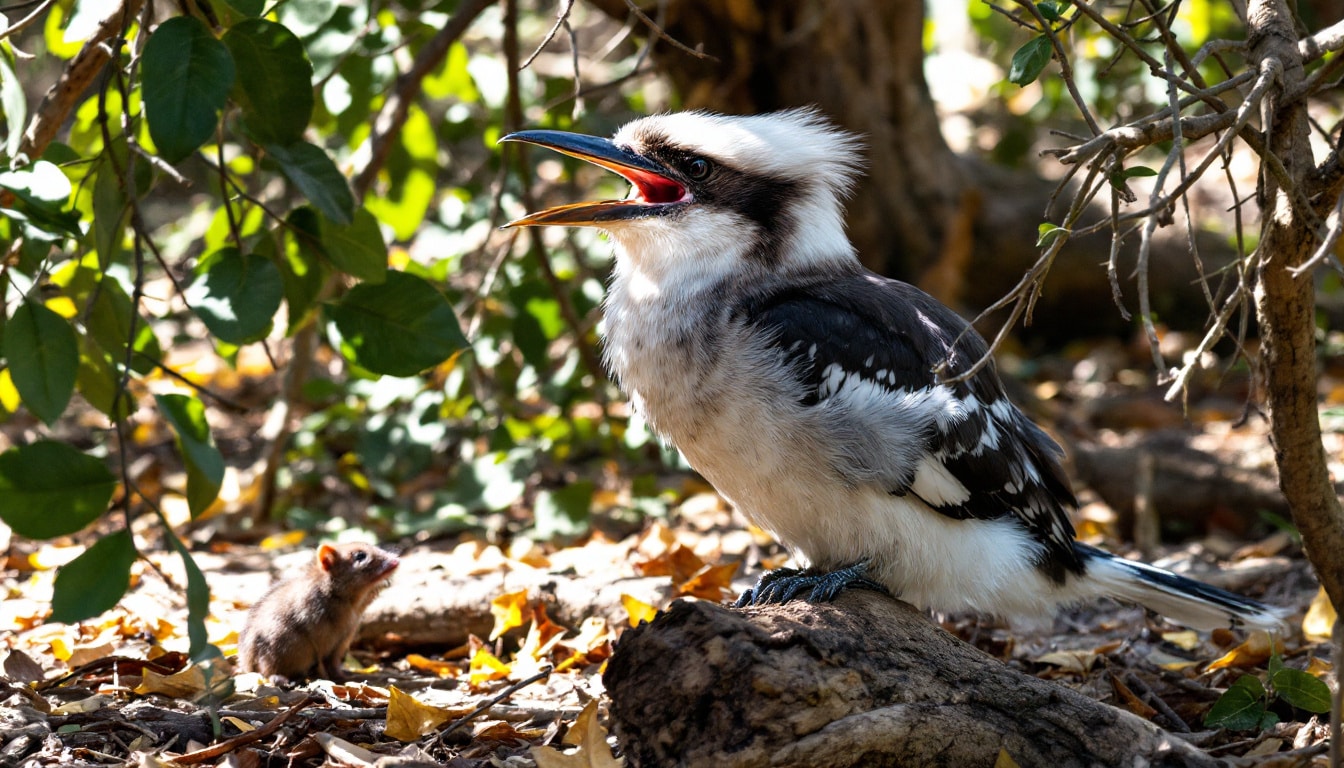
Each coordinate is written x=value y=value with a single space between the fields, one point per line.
x=699 y=169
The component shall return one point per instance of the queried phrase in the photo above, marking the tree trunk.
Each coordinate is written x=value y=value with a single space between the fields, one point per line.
x=1285 y=305
x=865 y=681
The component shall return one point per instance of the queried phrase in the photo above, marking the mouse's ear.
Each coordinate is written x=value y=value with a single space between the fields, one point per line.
x=327 y=556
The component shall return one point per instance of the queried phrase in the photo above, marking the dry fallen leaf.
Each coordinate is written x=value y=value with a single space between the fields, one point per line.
x=1255 y=651
x=343 y=752
x=408 y=718
x=590 y=737
x=485 y=667
x=1131 y=700
x=711 y=582
x=1186 y=640
x=186 y=684
x=1320 y=618
x=440 y=668
x=638 y=610
x=1078 y=662
x=511 y=611
x=1005 y=760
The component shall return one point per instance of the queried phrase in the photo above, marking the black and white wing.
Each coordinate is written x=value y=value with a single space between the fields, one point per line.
x=863 y=349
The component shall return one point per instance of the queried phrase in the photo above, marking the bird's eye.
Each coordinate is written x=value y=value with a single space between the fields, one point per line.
x=698 y=169
x=360 y=557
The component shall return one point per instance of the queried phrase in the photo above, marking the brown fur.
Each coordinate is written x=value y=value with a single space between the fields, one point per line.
x=305 y=624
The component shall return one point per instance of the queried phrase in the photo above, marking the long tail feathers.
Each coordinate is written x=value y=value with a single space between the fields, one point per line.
x=1184 y=601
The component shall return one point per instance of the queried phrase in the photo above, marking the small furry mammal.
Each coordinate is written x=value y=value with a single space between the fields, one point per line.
x=304 y=625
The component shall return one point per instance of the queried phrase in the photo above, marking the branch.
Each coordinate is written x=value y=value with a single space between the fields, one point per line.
x=658 y=32
x=74 y=81
x=396 y=109
x=1329 y=39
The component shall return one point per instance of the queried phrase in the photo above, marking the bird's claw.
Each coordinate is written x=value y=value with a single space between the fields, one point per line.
x=784 y=584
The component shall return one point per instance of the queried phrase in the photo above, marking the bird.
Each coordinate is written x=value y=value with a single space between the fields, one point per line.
x=839 y=410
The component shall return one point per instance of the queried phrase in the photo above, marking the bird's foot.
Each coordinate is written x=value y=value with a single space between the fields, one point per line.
x=784 y=584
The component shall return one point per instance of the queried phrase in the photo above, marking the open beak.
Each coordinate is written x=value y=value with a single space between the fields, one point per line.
x=654 y=188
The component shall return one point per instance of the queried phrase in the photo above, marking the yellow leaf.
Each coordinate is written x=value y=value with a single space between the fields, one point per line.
x=63 y=306
x=485 y=667
x=1070 y=661
x=1005 y=760
x=1320 y=618
x=440 y=668
x=282 y=540
x=9 y=395
x=1252 y=653
x=187 y=684
x=241 y=725
x=511 y=611
x=591 y=738
x=408 y=718
x=1187 y=640
x=1320 y=668
x=638 y=610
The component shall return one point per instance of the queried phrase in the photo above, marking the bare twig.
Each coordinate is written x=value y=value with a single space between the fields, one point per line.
x=26 y=21
x=662 y=35
x=561 y=20
x=392 y=117
x=492 y=701
x=1327 y=248
x=243 y=739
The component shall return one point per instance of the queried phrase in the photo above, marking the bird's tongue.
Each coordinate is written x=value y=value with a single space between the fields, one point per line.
x=652 y=187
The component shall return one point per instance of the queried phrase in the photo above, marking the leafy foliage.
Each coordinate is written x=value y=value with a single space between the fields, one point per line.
x=225 y=192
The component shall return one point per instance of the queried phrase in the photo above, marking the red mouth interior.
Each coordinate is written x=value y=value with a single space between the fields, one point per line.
x=652 y=187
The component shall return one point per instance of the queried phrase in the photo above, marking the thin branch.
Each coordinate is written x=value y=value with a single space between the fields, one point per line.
x=26 y=21
x=1317 y=45
x=561 y=20
x=660 y=34
x=392 y=117
x=1065 y=67
x=1327 y=245
x=492 y=701
x=79 y=73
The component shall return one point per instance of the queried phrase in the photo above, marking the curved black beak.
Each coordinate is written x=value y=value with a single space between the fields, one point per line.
x=655 y=185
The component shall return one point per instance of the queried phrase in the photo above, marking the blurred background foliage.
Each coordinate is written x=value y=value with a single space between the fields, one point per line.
x=255 y=279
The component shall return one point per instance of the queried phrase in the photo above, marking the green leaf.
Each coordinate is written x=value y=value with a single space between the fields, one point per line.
x=274 y=84
x=94 y=581
x=14 y=104
x=565 y=511
x=98 y=381
x=317 y=177
x=1030 y=60
x=1241 y=707
x=247 y=7
x=1119 y=177
x=198 y=599
x=50 y=489
x=109 y=322
x=1047 y=232
x=1302 y=689
x=397 y=328
x=186 y=75
x=357 y=249
x=41 y=184
x=1051 y=10
x=301 y=266
x=236 y=295
x=43 y=355
x=205 y=466
x=110 y=212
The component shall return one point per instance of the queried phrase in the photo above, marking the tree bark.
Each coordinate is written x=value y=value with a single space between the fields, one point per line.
x=1285 y=306
x=865 y=681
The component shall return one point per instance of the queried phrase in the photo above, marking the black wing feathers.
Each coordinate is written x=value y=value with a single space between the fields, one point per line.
x=893 y=334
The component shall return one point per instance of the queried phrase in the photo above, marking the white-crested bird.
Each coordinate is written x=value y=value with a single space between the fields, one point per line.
x=807 y=389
